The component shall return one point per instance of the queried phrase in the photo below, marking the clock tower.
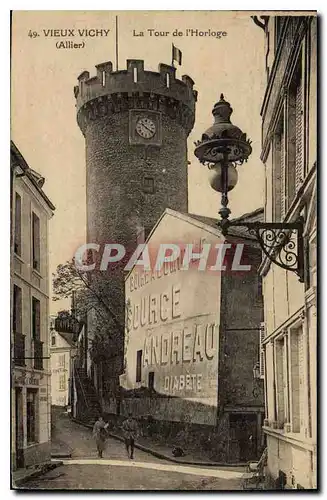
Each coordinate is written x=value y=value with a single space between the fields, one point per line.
x=135 y=124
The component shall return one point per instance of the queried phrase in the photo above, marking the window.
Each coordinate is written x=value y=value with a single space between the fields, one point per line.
x=167 y=80
x=17 y=310
x=297 y=366
x=148 y=185
x=31 y=412
x=62 y=360
x=53 y=340
x=138 y=366
x=281 y=380
x=151 y=380
x=278 y=201
x=62 y=382
x=36 y=241
x=36 y=330
x=288 y=147
x=294 y=174
x=135 y=75
x=289 y=379
x=18 y=225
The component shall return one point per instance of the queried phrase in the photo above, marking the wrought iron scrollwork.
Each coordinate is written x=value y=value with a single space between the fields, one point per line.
x=282 y=243
x=279 y=245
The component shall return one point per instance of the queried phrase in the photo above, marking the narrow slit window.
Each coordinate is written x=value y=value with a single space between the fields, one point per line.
x=103 y=78
x=148 y=185
x=167 y=80
x=135 y=75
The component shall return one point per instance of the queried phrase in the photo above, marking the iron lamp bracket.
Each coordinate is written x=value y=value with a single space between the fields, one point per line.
x=281 y=242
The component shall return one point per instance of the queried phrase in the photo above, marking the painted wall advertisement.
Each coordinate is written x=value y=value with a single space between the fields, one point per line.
x=172 y=335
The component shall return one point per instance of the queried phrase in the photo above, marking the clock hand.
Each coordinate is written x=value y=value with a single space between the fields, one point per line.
x=147 y=128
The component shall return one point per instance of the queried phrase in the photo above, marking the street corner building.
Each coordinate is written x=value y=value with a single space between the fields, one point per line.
x=30 y=370
x=135 y=123
x=192 y=340
x=62 y=351
x=289 y=152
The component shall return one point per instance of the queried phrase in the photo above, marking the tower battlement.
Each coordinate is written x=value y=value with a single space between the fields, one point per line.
x=119 y=90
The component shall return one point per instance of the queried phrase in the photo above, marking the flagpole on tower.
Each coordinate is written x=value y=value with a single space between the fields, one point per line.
x=116 y=43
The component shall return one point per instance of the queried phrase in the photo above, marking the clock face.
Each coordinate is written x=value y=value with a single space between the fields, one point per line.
x=145 y=128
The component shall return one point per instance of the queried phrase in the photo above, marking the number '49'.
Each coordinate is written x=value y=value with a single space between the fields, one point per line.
x=32 y=34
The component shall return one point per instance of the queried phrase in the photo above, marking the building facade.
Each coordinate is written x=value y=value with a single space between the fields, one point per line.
x=62 y=349
x=30 y=369
x=135 y=124
x=289 y=152
x=192 y=340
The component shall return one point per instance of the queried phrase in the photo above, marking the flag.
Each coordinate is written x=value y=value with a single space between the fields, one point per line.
x=177 y=55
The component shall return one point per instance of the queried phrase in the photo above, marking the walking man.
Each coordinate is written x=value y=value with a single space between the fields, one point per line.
x=100 y=435
x=131 y=430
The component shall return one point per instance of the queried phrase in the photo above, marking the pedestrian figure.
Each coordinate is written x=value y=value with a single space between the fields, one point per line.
x=100 y=435
x=131 y=430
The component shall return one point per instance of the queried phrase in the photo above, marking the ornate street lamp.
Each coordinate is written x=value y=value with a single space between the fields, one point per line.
x=222 y=148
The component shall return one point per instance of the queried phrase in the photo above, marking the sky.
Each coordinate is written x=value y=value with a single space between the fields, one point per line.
x=43 y=114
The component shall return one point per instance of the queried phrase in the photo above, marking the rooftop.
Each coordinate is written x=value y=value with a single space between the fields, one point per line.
x=36 y=179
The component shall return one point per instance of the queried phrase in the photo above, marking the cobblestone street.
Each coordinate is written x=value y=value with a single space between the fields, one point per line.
x=116 y=472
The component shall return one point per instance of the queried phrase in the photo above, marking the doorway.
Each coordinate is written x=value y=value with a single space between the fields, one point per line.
x=243 y=435
x=19 y=428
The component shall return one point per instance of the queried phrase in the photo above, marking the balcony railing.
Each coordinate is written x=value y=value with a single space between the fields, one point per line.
x=19 y=349
x=38 y=355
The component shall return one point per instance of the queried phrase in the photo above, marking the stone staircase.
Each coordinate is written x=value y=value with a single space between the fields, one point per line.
x=88 y=407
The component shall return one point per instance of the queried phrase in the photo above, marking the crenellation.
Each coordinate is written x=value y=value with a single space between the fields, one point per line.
x=168 y=74
x=188 y=81
x=83 y=76
x=137 y=82
x=137 y=64
x=105 y=67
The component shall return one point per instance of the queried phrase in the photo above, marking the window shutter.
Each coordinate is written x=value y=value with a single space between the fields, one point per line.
x=36 y=318
x=282 y=173
x=299 y=136
x=277 y=193
x=36 y=241
x=262 y=352
x=17 y=310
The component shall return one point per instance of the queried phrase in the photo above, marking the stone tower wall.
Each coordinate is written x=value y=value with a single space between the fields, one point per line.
x=118 y=204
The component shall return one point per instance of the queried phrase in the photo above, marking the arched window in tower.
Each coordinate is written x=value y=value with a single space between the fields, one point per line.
x=103 y=78
x=167 y=80
x=135 y=75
